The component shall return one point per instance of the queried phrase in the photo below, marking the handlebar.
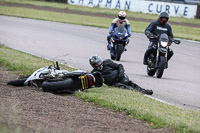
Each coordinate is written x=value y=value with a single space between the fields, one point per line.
x=57 y=66
x=152 y=36
x=176 y=41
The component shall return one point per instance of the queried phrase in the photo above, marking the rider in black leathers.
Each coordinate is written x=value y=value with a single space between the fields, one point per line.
x=113 y=74
x=156 y=28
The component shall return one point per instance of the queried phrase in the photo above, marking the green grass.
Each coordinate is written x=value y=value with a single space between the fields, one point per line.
x=179 y=31
x=3 y=129
x=157 y=114
x=99 y=10
x=23 y=62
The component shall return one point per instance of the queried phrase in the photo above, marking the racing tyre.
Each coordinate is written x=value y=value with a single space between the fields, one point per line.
x=150 y=72
x=119 y=51
x=17 y=82
x=112 y=57
x=49 y=86
x=161 y=66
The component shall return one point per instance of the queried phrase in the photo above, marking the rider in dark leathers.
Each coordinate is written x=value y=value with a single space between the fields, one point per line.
x=156 y=28
x=113 y=74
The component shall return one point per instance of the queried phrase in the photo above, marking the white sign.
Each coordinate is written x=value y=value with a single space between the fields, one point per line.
x=180 y=10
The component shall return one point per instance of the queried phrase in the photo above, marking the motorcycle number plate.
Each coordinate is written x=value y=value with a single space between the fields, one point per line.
x=84 y=82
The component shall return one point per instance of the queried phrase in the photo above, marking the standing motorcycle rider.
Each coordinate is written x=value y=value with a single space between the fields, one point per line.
x=120 y=20
x=156 y=28
x=113 y=74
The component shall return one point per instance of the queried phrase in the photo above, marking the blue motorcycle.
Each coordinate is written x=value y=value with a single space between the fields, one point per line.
x=119 y=40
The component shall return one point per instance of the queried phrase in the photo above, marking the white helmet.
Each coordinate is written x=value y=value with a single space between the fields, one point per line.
x=122 y=15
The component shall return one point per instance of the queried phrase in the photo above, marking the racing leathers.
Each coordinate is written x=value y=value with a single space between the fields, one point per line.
x=156 y=28
x=115 y=23
x=113 y=75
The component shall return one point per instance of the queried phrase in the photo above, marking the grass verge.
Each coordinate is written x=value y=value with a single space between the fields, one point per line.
x=157 y=114
x=179 y=31
x=98 y=10
x=22 y=62
x=3 y=129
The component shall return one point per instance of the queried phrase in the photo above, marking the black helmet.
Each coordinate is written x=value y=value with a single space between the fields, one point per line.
x=164 y=17
x=96 y=62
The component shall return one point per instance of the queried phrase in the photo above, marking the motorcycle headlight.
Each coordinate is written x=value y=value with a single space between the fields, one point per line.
x=163 y=44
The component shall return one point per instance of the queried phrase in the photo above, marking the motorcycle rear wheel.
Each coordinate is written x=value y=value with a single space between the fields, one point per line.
x=57 y=85
x=161 y=67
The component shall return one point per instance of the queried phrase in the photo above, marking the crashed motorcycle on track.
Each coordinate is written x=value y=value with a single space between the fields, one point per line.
x=53 y=79
x=157 y=61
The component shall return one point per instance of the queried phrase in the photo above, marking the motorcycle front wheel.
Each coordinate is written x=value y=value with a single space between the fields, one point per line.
x=18 y=82
x=161 y=66
x=54 y=86
x=119 y=51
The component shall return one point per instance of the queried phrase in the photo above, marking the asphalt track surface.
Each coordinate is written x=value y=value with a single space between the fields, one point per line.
x=74 y=44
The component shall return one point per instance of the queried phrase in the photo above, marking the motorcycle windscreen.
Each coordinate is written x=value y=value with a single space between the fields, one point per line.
x=121 y=28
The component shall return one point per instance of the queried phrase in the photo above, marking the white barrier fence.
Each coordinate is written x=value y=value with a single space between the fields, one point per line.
x=152 y=7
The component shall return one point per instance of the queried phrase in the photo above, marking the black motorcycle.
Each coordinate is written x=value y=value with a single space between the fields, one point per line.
x=53 y=79
x=157 y=61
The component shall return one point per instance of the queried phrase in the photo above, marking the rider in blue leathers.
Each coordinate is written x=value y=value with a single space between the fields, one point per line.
x=120 y=20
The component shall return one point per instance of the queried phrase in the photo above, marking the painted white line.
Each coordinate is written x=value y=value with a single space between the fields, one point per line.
x=162 y=101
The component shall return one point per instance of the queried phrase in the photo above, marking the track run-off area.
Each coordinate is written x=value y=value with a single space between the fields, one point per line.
x=74 y=44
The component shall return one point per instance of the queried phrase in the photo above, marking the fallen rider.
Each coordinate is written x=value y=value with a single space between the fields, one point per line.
x=113 y=74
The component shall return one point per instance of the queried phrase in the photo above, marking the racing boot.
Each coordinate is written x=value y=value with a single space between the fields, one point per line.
x=146 y=55
x=169 y=56
x=108 y=46
x=140 y=89
x=145 y=61
x=147 y=92
x=126 y=45
x=108 y=43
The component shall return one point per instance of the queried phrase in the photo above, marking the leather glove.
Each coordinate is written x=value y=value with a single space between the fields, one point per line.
x=121 y=74
x=110 y=32
x=129 y=34
x=149 y=35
